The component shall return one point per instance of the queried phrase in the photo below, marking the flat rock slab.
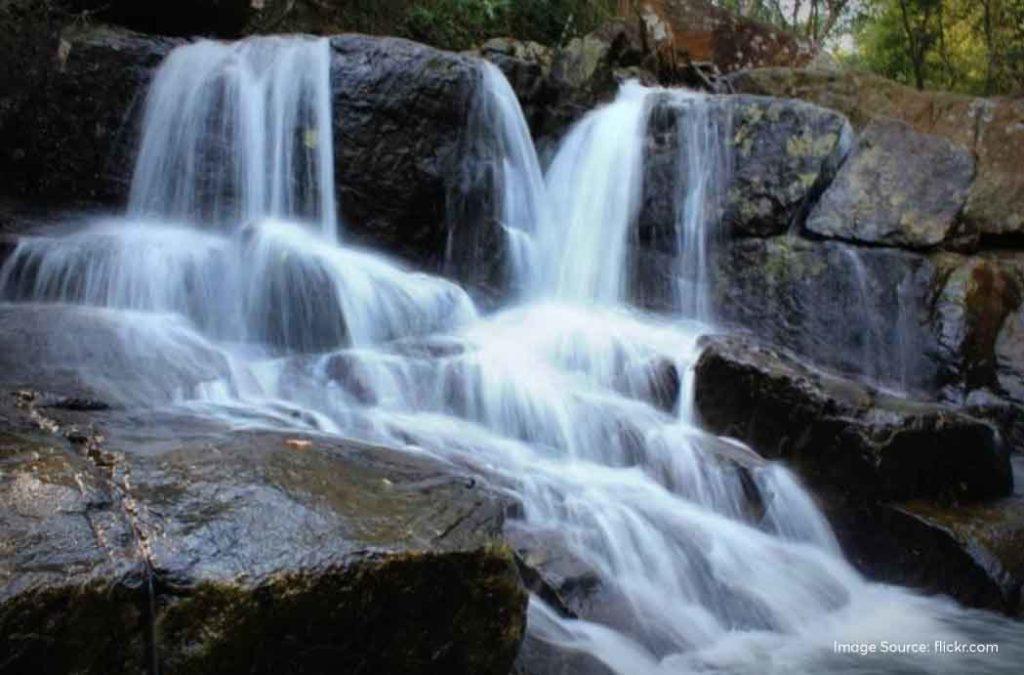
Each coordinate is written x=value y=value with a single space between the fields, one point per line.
x=160 y=539
x=898 y=188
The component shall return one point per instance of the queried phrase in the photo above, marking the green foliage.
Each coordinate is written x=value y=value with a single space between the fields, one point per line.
x=462 y=24
x=973 y=46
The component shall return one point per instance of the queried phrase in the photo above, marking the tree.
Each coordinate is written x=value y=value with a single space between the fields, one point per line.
x=975 y=46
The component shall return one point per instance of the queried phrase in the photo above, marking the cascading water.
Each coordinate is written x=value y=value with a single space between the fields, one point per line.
x=239 y=132
x=232 y=219
x=705 y=557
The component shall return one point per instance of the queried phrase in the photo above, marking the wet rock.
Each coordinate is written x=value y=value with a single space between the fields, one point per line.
x=861 y=311
x=72 y=598
x=991 y=129
x=246 y=552
x=972 y=307
x=898 y=188
x=972 y=552
x=780 y=155
x=843 y=436
x=400 y=110
x=1009 y=356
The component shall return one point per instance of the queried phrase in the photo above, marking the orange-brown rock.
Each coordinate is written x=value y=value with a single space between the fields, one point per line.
x=696 y=30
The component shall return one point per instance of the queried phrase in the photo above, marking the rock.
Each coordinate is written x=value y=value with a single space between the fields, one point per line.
x=72 y=598
x=972 y=552
x=972 y=305
x=780 y=155
x=862 y=311
x=842 y=436
x=97 y=354
x=784 y=155
x=400 y=111
x=72 y=137
x=1009 y=356
x=898 y=188
x=991 y=129
x=245 y=552
x=700 y=31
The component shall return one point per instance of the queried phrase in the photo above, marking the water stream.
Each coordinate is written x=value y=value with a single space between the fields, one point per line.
x=576 y=405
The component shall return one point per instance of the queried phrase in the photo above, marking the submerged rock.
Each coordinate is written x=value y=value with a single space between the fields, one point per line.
x=165 y=540
x=898 y=188
x=843 y=436
x=99 y=354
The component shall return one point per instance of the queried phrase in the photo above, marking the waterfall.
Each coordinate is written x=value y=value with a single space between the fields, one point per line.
x=702 y=556
x=594 y=187
x=232 y=218
x=238 y=132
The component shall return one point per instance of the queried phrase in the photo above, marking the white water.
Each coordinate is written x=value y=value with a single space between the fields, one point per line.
x=707 y=558
x=238 y=132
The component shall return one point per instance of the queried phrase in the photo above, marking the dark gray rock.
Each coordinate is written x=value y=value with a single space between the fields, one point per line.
x=898 y=188
x=1009 y=356
x=969 y=551
x=400 y=110
x=842 y=436
x=769 y=160
x=155 y=538
x=71 y=137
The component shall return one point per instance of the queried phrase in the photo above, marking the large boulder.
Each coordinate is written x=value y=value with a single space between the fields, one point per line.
x=898 y=188
x=992 y=129
x=400 y=111
x=169 y=542
x=843 y=437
